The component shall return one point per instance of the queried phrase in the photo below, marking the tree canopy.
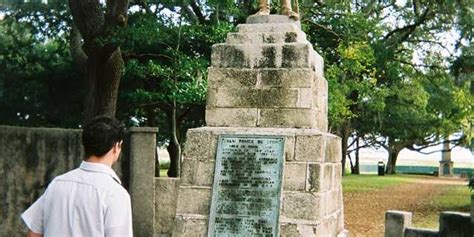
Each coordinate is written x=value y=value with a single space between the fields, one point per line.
x=399 y=72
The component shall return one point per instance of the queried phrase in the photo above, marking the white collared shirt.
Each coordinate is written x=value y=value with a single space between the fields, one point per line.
x=86 y=202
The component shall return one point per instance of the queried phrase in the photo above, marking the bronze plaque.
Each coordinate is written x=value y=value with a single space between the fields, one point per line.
x=247 y=186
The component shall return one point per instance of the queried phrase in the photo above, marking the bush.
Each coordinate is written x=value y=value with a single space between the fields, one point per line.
x=164 y=165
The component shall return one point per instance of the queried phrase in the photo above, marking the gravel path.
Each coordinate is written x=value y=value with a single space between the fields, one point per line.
x=365 y=211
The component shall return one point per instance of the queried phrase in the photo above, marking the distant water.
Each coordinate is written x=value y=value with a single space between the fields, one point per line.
x=461 y=157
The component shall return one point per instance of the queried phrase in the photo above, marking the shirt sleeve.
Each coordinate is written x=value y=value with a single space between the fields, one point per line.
x=33 y=216
x=118 y=216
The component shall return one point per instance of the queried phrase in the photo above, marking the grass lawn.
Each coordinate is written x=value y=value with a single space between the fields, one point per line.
x=372 y=182
x=163 y=172
x=454 y=198
x=426 y=197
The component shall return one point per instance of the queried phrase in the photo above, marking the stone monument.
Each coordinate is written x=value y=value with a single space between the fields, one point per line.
x=264 y=165
x=446 y=165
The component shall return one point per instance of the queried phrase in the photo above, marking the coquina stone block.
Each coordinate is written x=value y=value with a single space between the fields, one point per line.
x=200 y=145
x=300 y=118
x=294 y=176
x=234 y=98
x=340 y=220
x=333 y=149
x=190 y=226
x=187 y=171
x=330 y=203
x=317 y=63
x=266 y=38
x=266 y=28
x=287 y=55
x=298 y=230
x=226 y=117
x=328 y=177
x=166 y=193
x=290 y=148
x=314 y=177
x=232 y=78
x=280 y=98
x=261 y=98
x=194 y=200
x=310 y=147
x=286 y=78
x=297 y=55
x=301 y=205
x=327 y=227
x=337 y=176
x=197 y=172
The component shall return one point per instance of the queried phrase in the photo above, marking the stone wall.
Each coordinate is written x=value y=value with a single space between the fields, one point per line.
x=472 y=213
x=29 y=159
x=451 y=224
x=166 y=193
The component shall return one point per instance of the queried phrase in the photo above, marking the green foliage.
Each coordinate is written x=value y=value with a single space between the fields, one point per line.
x=166 y=63
x=38 y=83
x=385 y=63
x=388 y=77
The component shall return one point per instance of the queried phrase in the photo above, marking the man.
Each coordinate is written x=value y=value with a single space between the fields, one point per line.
x=285 y=8
x=90 y=200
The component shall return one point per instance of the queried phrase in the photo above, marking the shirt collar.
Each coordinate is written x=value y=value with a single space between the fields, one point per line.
x=97 y=167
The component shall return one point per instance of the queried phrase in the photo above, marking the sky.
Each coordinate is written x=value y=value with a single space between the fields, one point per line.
x=461 y=157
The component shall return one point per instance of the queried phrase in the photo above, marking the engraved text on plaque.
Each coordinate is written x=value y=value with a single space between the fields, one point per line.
x=247 y=184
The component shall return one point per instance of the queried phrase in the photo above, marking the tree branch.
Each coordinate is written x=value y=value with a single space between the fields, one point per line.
x=75 y=41
x=145 y=56
x=197 y=12
x=165 y=107
x=88 y=17
x=407 y=30
x=338 y=37
x=183 y=115
x=455 y=142
x=414 y=65
x=116 y=13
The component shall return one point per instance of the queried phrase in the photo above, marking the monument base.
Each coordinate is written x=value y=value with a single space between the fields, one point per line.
x=445 y=168
x=311 y=194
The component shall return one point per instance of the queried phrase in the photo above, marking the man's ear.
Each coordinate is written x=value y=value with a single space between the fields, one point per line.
x=118 y=146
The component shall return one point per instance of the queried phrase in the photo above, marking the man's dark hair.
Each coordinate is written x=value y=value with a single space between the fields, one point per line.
x=101 y=134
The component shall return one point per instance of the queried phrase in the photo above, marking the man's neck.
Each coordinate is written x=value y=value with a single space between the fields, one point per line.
x=100 y=160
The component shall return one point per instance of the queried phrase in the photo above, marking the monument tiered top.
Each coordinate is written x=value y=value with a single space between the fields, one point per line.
x=267 y=75
x=272 y=19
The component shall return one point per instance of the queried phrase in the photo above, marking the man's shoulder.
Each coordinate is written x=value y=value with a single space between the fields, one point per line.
x=99 y=180
x=70 y=175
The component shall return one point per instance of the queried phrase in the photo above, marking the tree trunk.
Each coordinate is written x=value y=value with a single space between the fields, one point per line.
x=104 y=63
x=345 y=132
x=356 y=169
x=102 y=83
x=174 y=146
x=393 y=151
x=173 y=152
